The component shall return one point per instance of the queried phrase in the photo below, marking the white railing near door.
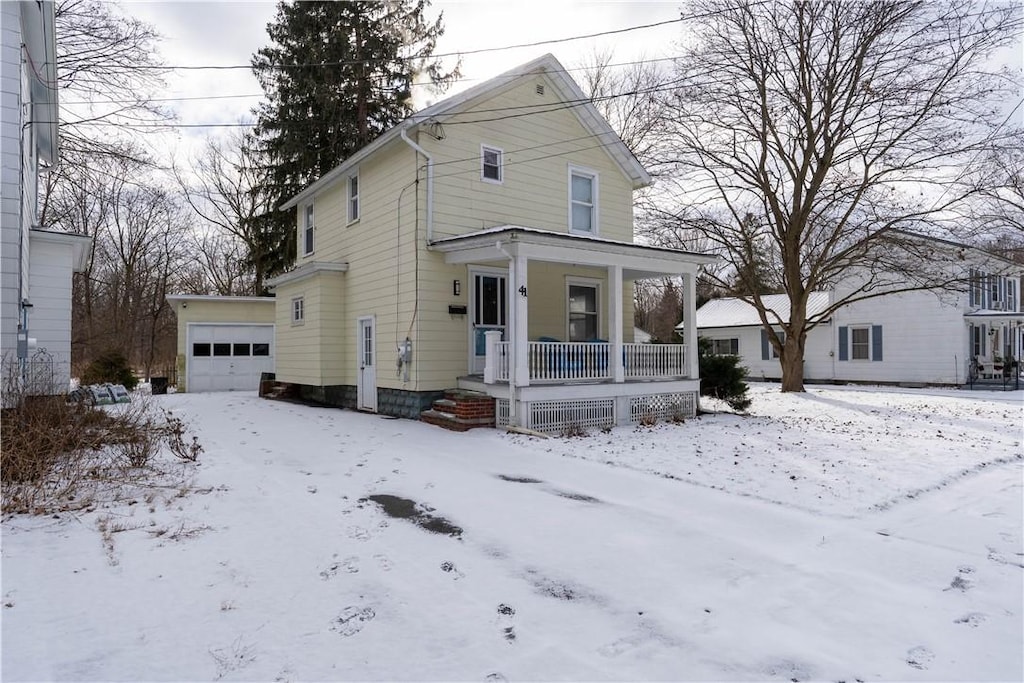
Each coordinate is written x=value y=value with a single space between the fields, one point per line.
x=587 y=361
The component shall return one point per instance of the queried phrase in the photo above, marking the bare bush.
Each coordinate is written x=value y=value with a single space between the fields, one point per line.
x=60 y=456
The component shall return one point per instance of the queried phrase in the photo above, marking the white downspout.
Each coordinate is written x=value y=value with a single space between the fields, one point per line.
x=511 y=312
x=430 y=184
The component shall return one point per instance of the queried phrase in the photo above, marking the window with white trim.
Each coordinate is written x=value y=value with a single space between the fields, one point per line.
x=860 y=343
x=298 y=310
x=353 y=198
x=584 y=319
x=307 y=230
x=582 y=201
x=491 y=170
x=725 y=347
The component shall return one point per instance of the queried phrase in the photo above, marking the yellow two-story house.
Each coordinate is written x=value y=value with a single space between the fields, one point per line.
x=485 y=244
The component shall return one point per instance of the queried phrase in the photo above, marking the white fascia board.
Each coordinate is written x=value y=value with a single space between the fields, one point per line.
x=79 y=245
x=175 y=298
x=307 y=270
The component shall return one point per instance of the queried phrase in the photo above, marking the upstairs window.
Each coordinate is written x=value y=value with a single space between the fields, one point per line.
x=582 y=201
x=353 y=198
x=307 y=230
x=490 y=165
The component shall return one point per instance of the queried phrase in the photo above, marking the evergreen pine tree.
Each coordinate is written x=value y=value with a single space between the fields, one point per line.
x=337 y=75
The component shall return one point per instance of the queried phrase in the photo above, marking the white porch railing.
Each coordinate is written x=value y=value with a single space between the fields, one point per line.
x=653 y=361
x=587 y=361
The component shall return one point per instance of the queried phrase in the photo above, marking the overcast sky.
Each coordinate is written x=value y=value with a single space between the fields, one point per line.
x=224 y=33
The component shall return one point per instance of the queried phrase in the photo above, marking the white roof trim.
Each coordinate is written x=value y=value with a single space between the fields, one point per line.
x=518 y=233
x=175 y=298
x=567 y=88
x=307 y=270
x=79 y=245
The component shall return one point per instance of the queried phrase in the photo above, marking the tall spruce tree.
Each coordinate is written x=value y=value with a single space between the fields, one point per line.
x=337 y=75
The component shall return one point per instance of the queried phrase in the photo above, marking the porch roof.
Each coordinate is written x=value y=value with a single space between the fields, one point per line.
x=505 y=241
x=989 y=315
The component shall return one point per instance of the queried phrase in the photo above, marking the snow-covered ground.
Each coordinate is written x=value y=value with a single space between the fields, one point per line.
x=844 y=534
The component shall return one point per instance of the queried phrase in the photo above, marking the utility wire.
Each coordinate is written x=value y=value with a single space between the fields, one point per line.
x=226 y=67
x=381 y=89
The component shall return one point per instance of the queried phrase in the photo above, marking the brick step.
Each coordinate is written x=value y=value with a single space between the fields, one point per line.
x=460 y=410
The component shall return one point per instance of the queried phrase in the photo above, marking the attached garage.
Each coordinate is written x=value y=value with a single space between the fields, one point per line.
x=224 y=343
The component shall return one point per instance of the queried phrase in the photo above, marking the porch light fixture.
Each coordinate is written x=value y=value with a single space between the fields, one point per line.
x=456 y=287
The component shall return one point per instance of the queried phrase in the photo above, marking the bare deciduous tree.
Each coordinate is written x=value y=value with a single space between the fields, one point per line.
x=811 y=136
x=229 y=188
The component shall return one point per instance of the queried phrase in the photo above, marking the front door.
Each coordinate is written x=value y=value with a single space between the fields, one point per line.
x=489 y=304
x=366 y=389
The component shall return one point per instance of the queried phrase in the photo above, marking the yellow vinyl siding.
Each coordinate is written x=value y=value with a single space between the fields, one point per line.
x=297 y=347
x=538 y=150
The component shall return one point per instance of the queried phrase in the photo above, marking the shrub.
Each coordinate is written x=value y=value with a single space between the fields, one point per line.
x=66 y=456
x=722 y=377
x=111 y=367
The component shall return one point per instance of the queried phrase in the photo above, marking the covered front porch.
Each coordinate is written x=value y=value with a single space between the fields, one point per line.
x=552 y=384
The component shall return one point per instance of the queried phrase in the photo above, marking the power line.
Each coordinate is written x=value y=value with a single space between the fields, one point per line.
x=227 y=67
x=455 y=80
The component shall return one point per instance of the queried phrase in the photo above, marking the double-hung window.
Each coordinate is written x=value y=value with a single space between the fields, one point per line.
x=860 y=343
x=582 y=201
x=307 y=230
x=298 y=310
x=491 y=170
x=353 y=198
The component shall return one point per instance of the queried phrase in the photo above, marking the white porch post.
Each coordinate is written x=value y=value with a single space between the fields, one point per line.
x=491 y=339
x=615 y=322
x=690 y=323
x=520 y=322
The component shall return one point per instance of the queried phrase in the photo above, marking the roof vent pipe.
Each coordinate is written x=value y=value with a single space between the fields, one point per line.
x=430 y=185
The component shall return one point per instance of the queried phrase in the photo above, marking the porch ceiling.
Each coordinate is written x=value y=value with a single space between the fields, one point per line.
x=501 y=243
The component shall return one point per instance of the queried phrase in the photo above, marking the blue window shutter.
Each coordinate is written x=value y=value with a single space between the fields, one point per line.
x=876 y=342
x=764 y=345
x=844 y=343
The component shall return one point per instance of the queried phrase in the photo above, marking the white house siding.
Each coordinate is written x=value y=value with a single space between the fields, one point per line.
x=50 y=271
x=818 y=361
x=11 y=225
x=924 y=338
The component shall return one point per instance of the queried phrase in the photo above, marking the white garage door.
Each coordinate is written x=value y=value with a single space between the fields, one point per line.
x=228 y=357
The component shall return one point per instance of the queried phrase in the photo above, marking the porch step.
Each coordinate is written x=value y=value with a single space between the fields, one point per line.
x=461 y=410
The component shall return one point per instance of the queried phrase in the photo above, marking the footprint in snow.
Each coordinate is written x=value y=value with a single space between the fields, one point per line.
x=352 y=620
x=505 y=614
x=358 y=533
x=495 y=676
x=383 y=562
x=450 y=568
x=919 y=657
x=974 y=619
x=962 y=581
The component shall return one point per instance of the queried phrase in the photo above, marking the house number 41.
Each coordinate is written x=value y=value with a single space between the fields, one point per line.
x=522 y=290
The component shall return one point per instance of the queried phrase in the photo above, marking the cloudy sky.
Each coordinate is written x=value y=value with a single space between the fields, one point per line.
x=228 y=33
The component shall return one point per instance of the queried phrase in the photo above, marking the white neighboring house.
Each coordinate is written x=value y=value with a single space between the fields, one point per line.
x=919 y=337
x=35 y=265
